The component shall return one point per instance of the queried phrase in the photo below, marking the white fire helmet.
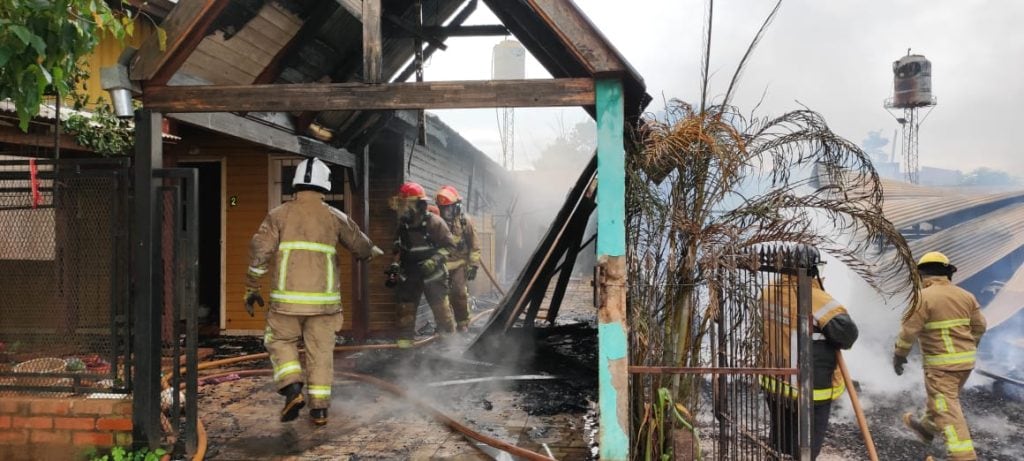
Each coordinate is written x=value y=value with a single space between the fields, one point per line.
x=313 y=172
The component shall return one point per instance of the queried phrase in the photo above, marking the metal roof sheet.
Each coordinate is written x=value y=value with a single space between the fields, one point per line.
x=978 y=243
x=48 y=112
x=1007 y=302
x=909 y=211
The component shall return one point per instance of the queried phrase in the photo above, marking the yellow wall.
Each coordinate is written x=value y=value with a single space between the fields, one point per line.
x=106 y=54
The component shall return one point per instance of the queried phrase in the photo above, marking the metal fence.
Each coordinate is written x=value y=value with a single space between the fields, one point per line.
x=742 y=406
x=63 y=267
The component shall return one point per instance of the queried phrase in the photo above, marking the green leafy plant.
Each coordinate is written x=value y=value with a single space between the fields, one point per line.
x=121 y=454
x=43 y=43
x=101 y=131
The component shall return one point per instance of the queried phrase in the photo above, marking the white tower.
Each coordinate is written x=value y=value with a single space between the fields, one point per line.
x=508 y=63
x=912 y=90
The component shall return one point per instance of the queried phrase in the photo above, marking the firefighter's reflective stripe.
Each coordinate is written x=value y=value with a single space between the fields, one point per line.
x=820 y=395
x=950 y=359
x=286 y=369
x=330 y=274
x=825 y=310
x=901 y=344
x=940 y=403
x=257 y=271
x=945 y=324
x=301 y=297
x=283 y=271
x=320 y=392
x=954 y=444
x=328 y=296
x=308 y=246
x=268 y=336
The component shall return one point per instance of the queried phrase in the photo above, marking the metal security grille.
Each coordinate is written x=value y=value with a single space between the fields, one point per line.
x=740 y=407
x=63 y=256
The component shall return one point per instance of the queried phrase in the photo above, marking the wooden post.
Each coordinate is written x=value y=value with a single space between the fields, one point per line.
x=373 y=56
x=613 y=347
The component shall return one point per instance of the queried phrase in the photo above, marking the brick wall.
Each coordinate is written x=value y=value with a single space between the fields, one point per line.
x=33 y=427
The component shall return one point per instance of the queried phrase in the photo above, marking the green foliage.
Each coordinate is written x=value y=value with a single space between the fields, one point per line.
x=42 y=44
x=102 y=132
x=121 y=454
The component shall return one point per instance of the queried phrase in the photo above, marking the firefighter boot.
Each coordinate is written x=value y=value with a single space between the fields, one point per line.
x=319 y=416
x=922 y=433
x=293 y=401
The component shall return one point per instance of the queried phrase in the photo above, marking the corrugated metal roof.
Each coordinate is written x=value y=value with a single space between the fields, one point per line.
x=977 y=244
x=909 y=211
x=1007 y=302
x=48 y=112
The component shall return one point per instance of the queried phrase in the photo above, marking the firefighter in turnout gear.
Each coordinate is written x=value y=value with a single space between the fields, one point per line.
x=422 y=245
x=297 y=246
x=464 y=261
x=948 y=324
x=833 y=329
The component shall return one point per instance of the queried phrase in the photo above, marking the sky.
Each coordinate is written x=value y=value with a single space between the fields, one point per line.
x=833 y=57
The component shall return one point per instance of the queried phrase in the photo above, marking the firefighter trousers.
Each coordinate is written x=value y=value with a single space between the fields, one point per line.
x=318 y=334
x=944 y=416
x=458 y=295
x=784 y=432
x=409 y=294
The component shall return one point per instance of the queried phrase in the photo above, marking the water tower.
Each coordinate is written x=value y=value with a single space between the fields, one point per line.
x=508 y=63
x=912 y=91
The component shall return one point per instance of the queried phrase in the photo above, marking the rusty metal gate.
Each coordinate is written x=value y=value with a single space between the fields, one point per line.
x=63 y=272
x=745 y=378
x=173 y=311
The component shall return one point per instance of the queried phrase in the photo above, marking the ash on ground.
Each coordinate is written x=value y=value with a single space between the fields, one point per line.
x=995 y=423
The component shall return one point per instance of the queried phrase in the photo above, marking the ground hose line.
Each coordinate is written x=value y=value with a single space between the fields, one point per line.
x=201 y=430
x=398 y=391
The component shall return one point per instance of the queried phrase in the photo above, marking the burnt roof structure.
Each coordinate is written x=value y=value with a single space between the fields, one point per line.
x=241 y=43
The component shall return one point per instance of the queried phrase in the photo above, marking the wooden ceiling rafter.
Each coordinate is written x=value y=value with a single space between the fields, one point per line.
x=186 y=26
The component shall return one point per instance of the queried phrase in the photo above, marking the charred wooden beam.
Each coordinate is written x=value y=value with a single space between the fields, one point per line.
x=459 y=18
x=317 y=15
x=410 y=30
x=479 y=30
x=354 y=7
x=330 y=154
x=360 y=96
x=583 y=38
x=186 y=26
x=373 y=50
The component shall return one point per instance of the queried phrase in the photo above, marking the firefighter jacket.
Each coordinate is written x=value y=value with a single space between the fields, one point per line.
x=833 y=330
x=422 y=237
x=947 y=322
x=301 y=237
x=466 y=249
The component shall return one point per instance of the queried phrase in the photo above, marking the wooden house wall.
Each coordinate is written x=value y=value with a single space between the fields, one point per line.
x=247 y=176
x=386 y=175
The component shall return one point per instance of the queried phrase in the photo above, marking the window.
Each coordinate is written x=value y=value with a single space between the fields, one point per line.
x=282 y=171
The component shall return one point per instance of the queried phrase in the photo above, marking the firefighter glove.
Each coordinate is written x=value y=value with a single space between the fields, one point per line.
x=471 y=272
x=897 y=364
x=429 y=266
x=252 y=297
x=375 y=252
x=394 y=275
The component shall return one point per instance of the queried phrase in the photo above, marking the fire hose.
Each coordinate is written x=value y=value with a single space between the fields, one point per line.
x=438 y=415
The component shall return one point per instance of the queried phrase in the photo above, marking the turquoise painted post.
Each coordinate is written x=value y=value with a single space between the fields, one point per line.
x=613 y=347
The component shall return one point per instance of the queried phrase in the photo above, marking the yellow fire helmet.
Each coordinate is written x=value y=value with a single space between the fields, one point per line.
x=936 y=257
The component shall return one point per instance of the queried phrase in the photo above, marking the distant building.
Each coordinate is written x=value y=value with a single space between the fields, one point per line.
x=939 y=177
